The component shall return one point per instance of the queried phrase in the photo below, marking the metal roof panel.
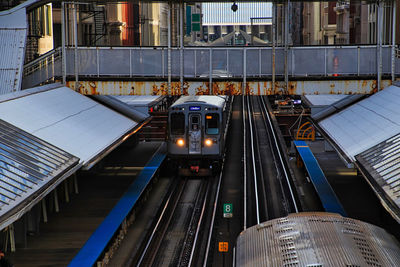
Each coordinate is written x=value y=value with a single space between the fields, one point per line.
x=68 y=120
x=13 y=28
x=366 y=123
x=27 y=166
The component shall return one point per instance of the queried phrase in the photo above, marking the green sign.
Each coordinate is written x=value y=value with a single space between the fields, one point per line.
x=228 y=210
x=196 y=18
x=196 y=27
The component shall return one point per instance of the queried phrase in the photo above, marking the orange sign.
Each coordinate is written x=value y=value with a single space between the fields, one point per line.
x=223 y=246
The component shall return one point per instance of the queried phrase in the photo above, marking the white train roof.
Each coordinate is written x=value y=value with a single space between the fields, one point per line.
x=217 y=101
x=316 y=239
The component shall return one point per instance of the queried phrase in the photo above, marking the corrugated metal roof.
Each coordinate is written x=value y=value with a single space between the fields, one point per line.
x=318 y=240
x=335 y=107
x=383 y=165
x=222 y=14
x=366 y=123
x=28 y=166
x=13 y=29
x=68 y=120
x=324 y=100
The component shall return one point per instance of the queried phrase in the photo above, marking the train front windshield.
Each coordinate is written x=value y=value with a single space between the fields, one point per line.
x=177 y=123
x=212 y=123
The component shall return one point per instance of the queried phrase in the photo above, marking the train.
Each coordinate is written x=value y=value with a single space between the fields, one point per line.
x=197 y=130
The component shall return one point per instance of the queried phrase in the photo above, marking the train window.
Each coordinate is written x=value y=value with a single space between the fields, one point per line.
x=212 y=123
x=195 y=119
x=177 y=123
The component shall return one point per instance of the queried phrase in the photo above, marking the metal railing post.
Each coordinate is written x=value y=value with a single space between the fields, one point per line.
x=358 y=61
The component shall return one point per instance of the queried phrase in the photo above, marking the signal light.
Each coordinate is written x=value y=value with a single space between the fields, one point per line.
x=208 y=142
x=180 y=142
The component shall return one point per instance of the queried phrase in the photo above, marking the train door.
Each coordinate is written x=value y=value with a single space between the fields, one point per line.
x=194 y=134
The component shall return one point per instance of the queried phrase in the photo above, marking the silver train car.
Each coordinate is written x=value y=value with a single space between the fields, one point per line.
x=197 y=132
x=316 y=239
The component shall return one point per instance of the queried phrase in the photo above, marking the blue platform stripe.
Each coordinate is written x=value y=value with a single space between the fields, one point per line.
x=98 y=241
x=325 y=192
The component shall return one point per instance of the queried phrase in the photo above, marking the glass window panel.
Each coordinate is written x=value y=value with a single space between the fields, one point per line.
x=212 y=123
x=177 y=123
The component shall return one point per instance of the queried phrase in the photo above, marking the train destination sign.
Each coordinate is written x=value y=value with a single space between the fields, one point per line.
x=194 y=108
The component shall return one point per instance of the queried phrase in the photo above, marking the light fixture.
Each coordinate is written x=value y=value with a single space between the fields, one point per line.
x=208 y=142
x=180 y=142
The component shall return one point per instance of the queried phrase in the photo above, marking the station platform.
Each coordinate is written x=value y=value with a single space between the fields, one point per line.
x=329 y=200
x=60 y=239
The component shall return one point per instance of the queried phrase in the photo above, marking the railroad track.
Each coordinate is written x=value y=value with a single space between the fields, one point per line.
x=268 y=193
x=173 y=239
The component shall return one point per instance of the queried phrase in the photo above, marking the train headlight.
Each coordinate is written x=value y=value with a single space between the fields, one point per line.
x=180 y=142
x=208 y=142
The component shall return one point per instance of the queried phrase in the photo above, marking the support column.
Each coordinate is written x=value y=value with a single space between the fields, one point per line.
x=394 y=40
x=210 y=74
x=12 y=237
x=286 y=45
x=76 y=47
x=56 y=206
x=44 y=210
x=379 y=45
x=273 y=44
x=181 y=34
x=76 y=184
x=66 y=191
x=244 y=72
x=169 y=46
x=63 y=56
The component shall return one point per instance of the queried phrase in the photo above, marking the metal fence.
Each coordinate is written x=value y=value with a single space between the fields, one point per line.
x=199 y=62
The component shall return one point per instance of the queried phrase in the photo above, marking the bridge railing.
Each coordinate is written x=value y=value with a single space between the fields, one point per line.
x=222 y=62
x=42 y=69
x=228 y=62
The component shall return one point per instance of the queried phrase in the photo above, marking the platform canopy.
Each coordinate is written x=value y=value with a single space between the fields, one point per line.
x=68 y=120
x=365 y=123
x=29 y=169
x=368 y=133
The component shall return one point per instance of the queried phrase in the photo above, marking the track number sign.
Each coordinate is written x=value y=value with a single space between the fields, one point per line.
x=228 y=210
x=223 y=246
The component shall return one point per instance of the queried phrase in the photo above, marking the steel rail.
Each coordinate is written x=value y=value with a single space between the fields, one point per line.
x=280 y=155
x=158 y=224
x=213 y=214
x=198 y=227
x=244 y=167
x=253 y=160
